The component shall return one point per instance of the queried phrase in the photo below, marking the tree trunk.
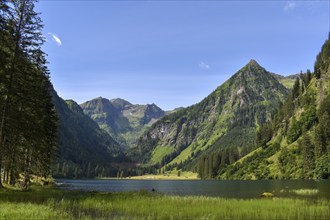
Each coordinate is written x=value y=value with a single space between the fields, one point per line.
x=1 y=186
x=5 y=176
x=27 y=171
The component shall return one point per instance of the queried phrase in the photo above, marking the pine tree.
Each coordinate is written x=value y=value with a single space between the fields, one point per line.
x=322 y=135
x=322 y=60
x=5 y=44
x=308 y=154
x=294 y=131
x=295 y=89
x=308 y=77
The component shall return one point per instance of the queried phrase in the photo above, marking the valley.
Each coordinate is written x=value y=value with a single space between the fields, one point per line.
x=226 y=121
x=84 y=133
x=242 y=130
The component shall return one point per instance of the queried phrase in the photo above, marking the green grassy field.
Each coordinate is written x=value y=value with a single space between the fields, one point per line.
x=51 y=203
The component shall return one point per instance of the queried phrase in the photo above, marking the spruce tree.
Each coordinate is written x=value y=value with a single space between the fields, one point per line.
x=308 y=154
x=5 y=44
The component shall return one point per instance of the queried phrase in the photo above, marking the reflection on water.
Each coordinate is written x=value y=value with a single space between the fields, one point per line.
x=216 y=188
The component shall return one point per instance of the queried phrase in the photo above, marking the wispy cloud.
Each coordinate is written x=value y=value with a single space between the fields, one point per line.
x=204 y=66
x=289 y=5
x=56 y=39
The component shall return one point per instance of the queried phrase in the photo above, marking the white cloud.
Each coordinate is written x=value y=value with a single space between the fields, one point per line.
x=56 y=39
x=289 y=5
x=204 y=66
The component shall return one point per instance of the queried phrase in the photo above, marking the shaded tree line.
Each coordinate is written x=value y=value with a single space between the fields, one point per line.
x=28 y=122
x=67 y=169
x=210 y=165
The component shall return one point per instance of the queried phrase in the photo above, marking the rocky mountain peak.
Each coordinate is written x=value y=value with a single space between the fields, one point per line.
x=97 y=106
x=120 y=103
x=234 y=109
x=153 y=111
x=253 y=68
x=124 y=121
x=253 y=63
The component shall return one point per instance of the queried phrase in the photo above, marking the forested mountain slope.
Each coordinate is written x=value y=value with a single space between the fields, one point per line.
x=296 y=143
x=85 y=149
x=124 y=121
x=227 y=119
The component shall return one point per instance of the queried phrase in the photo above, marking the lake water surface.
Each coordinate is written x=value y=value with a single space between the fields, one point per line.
x=216 y=188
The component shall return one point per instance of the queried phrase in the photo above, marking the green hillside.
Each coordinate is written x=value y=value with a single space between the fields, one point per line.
x=296 y=143
x=287 y=81
x=226 y=119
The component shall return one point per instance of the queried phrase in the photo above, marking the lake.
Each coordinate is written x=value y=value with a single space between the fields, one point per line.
x=216 y=188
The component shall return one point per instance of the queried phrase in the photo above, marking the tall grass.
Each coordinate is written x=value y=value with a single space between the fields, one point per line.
x=10 y=210
x=175 y=207
x=50 y=203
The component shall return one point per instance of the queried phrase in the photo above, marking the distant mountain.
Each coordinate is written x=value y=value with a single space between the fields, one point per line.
x=121 y=119
x=227 y=119
x=174 y=110
x=287 y=81
x=85 y=149
x=295 y=144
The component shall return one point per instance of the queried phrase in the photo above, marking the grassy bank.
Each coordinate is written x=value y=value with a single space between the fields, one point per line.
x=50 y=203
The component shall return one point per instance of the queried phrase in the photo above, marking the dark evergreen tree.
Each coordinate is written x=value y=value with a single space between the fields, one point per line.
x=308 y=77
x=308 y=155
x=264 y=135
x=5 y=48
x=294 y=131
x=296 y=88
x=322 y=60
x=28 y=122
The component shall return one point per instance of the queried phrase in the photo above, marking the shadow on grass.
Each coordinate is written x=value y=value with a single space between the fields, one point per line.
x=39 y=194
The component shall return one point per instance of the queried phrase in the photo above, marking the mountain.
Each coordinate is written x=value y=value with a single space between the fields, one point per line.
x=287 y=81
x=121 y=119
x=295 y=144
x=85 y=149
x=226 y=119
x=173 y=111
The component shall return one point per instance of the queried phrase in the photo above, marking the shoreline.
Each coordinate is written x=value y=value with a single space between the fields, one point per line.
x=52 y=203
x=169 y=176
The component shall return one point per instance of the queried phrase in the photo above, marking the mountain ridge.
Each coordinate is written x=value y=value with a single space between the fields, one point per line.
x=185 y=134
x=295 y=143
x=84 y=147
x=121 y=119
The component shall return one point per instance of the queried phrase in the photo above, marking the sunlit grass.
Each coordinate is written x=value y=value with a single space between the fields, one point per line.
x=175 y=207
x=306 y=192
x=169 y=175
x=52 y=203
x=302 y=192
x=159 y=153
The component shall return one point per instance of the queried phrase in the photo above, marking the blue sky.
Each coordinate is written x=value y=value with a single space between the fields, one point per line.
x=174 y=53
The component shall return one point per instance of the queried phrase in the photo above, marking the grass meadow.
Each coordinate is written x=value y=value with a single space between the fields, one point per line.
x=52 y=203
